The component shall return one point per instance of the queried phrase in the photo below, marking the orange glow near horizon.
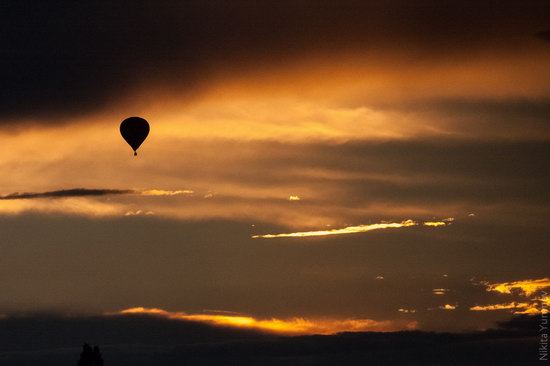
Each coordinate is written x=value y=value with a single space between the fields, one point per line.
x=292 y=326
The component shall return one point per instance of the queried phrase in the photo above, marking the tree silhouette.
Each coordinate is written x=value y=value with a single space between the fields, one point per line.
x=89 y=357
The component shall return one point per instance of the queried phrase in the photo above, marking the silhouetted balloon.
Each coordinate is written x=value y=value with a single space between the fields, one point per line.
x=135 y=131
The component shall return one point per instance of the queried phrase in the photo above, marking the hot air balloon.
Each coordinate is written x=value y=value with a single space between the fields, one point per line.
x=134 y=130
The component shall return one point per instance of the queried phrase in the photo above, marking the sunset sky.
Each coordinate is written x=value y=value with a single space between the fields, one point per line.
x=312 y=167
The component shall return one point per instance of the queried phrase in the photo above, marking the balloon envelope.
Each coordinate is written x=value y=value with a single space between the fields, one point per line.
x=134 y=130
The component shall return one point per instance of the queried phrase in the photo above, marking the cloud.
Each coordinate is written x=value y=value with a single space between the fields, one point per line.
x=402 y=310
x=346 y=230
x=78 y=206
x=405 y=179
x=87 y=192
x=435 y=223
x=76 y=192
x=448 y=307
x=274 y=116
x=524 y=287
x=293 y=326
x=159 y=260
x=351 y=229
x=418 y=179
x=63 y=71
x=161 y=192
x=140 y=339
x=545 y=36
x=83 y=201
x=515 y=307
x=138 y=212
x=80 y=201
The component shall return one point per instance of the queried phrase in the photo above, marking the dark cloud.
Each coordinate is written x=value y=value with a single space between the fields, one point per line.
x=63 y=58
x=138 y=340
x=77 y=264
x=428 y=172
x=353 y=175
x=28 y=332
x=439 y=172
x=545 y=36
x=503 y=110
x=76 y=192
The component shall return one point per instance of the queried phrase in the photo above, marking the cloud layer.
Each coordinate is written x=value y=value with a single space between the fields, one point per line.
x=142 y=340
x=293 y=326
x=51 y=70
x=76 y=192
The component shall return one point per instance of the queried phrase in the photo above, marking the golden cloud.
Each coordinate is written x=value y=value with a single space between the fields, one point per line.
x=505 y=306
x=346 y=230
x=524 y=287
x=529 y=308
x=402 y=310
x=448 y=307
x=440 y=291
x=435 y=223
x=292 y=326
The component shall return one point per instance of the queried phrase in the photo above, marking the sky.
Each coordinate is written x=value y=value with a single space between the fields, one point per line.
x=312 y=167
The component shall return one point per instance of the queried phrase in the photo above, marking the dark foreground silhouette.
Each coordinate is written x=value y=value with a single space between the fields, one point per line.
x=90 y=357
x=145 y=340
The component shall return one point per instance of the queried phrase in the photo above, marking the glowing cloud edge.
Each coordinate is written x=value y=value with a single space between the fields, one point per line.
x=351 y=229
x=290 y=326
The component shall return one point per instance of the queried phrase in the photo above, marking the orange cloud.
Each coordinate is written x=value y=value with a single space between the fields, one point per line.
x=402 y=310
x=292 y=326
x=525 y=287
x=514 y=307
x=138 y=212
x=440 y=291
x=435 y=223
x=354 y=229
x=505 y=306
